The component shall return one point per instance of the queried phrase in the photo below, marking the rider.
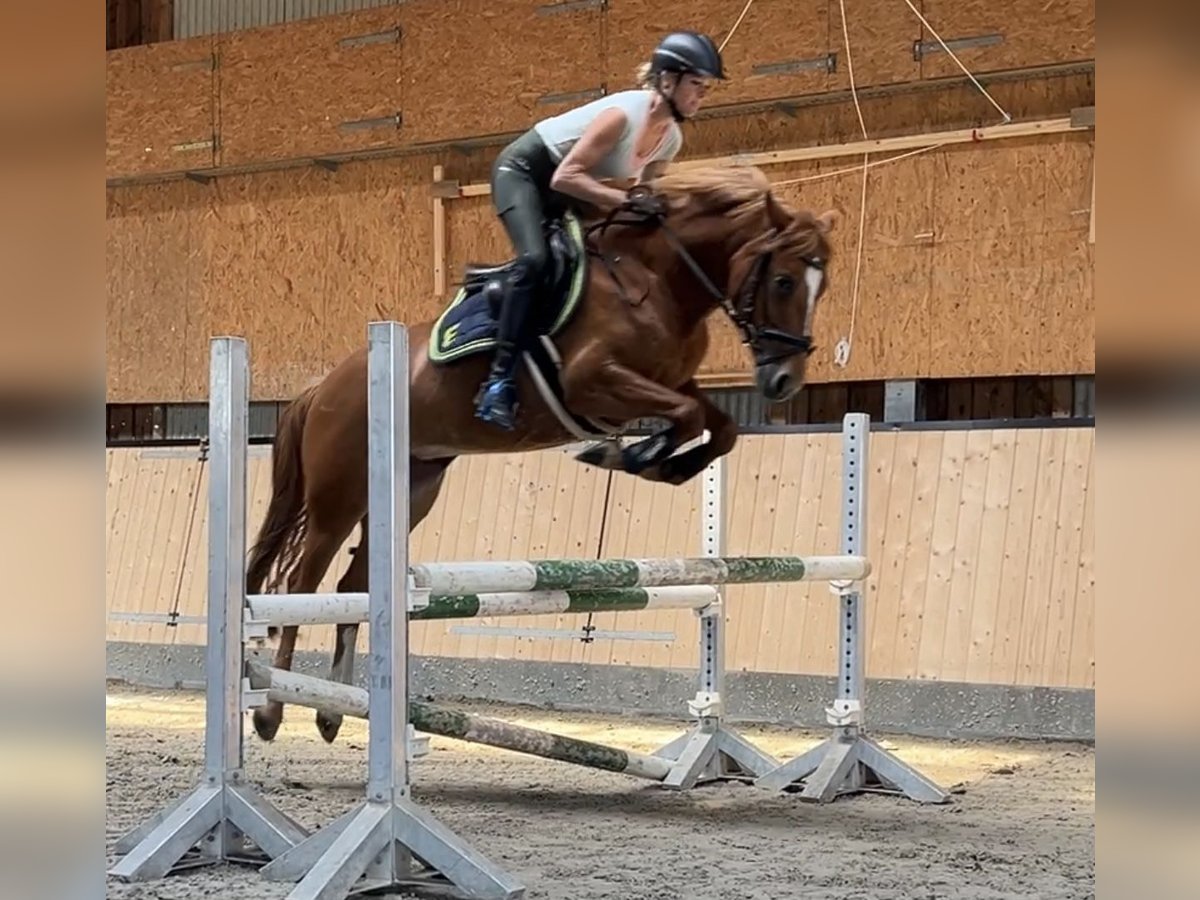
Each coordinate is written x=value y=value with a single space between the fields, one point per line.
x=628 y=135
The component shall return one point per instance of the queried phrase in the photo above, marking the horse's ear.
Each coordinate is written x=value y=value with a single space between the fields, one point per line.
x=828 y=219
x=779 y=217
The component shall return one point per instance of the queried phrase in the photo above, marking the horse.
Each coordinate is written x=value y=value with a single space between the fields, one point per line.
x=718 y=239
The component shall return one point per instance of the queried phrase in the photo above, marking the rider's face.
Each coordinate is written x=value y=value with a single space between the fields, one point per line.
x=688 y=94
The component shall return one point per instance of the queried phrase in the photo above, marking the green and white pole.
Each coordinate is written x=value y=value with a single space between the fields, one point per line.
x=276 y=610
x=596 y=574
x=348 y=700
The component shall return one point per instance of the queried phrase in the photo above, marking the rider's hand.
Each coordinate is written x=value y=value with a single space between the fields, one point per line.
x=642 y=202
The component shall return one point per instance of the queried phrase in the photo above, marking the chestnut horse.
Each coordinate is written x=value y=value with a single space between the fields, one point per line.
x=720 y=240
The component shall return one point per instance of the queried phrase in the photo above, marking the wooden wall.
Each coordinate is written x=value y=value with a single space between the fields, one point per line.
x=976 y=262
x=328 y=84
x=982 y=543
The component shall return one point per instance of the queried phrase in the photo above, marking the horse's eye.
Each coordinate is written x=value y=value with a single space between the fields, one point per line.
x=785 y=285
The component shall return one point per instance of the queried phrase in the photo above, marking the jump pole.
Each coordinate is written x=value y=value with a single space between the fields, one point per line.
x=531 y=587
x=349 y=700
x=222 y=817
x=275 y=610
x=849 y=761
x=387 y=840
x=710 y=750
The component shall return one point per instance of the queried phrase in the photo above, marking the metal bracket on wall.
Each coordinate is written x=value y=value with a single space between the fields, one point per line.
x=362 y=40
x=393 y=121
x=920 y=48
x=570 y=6
x=826 y=63
x=190 y=146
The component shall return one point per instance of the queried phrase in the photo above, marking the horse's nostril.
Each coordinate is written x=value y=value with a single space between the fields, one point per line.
x=780 y=383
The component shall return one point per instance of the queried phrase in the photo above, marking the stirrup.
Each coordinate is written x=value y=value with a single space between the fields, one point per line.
x=496 y=403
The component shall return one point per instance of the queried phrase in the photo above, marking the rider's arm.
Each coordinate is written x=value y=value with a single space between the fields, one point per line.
x=572 y=178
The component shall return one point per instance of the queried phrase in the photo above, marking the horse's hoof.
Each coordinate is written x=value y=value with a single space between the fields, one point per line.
x=266 y=725
x=645 y=453
x=328 y=725
x=603 y=454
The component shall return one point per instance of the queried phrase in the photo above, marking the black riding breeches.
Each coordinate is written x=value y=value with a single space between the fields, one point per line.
x=524 y=200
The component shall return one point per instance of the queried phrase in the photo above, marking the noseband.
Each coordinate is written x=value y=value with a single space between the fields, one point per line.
x=741 y=313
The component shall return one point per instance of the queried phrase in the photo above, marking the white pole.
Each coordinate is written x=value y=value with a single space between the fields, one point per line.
x=388 y=481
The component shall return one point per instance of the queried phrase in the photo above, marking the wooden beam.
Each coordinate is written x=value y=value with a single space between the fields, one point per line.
x=1092 y=213
x=886 y=145
x=858 y=148
x=725 y=380
x=439 y=236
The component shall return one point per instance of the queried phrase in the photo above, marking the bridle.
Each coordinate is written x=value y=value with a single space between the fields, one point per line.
x=742 y=307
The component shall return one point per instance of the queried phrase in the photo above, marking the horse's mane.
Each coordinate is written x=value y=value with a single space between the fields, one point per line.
x=739 y=192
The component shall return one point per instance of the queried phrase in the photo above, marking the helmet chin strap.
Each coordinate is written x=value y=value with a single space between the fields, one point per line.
x=675 y=113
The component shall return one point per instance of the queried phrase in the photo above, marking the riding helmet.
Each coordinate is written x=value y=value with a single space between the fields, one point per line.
x=688 y=51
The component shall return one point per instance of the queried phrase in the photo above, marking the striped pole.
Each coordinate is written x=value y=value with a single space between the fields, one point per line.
x=592 y=574
x=349 y=608
x=348 y=700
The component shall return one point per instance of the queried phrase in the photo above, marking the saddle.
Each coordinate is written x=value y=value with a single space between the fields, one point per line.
x=470 y=323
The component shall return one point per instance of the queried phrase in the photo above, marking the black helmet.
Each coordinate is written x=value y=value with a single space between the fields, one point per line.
x=687 y=51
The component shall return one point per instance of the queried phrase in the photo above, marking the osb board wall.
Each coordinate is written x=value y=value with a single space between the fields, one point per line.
x=976 y=262
x=159 y=105
x=457 y=69
x=296 y=262
x=500 y=73
x=982 y=544
x=775 y=34
x=1030 y=32
x=322 y=86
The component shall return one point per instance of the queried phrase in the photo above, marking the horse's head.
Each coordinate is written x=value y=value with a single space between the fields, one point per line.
x=765 y=264
x=775 y=281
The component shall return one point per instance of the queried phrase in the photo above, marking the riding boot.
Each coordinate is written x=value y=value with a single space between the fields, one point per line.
x=497 y=400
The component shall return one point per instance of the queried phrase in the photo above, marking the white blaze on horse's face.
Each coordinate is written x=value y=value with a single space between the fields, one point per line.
x=781 y=379
x=813 y=278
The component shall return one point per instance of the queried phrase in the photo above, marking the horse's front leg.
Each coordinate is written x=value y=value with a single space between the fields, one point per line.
x=609 y=390
x=722 y=435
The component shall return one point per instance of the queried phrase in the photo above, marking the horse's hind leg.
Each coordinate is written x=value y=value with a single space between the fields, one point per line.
x=426 y=478
x=321 y=543
x=342 y=670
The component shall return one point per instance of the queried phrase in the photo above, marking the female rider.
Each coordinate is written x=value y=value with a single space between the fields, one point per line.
x=628 y=135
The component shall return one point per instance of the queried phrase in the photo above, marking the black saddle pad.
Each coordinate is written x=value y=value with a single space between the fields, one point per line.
x=469 y=324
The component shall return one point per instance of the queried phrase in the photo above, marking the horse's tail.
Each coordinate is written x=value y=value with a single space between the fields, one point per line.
x=281 y=534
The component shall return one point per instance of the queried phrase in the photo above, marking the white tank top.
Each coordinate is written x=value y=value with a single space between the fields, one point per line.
x=562 y=131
